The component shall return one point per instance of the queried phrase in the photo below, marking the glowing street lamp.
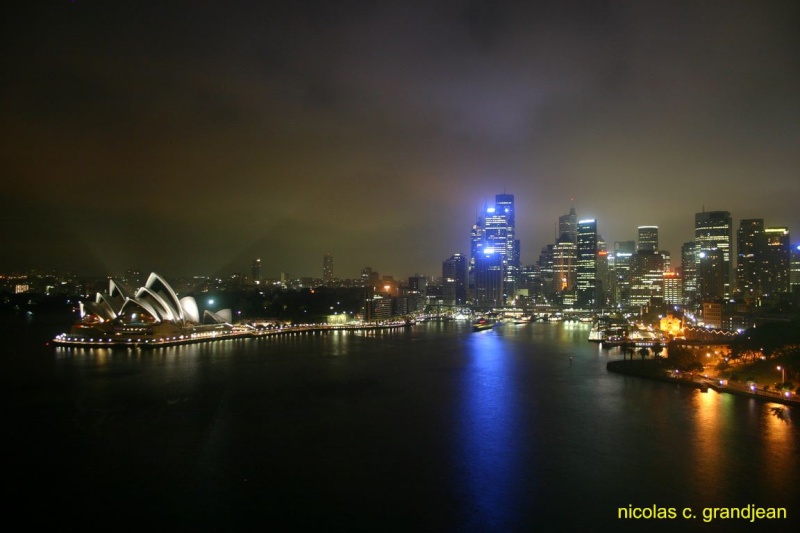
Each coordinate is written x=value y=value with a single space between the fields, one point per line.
x=783 y=374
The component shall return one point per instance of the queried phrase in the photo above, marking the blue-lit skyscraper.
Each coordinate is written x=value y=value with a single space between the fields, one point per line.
x=495 y=253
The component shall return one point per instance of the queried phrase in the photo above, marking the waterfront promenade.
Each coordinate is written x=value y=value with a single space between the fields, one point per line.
x=650 y=370
x=238 y=332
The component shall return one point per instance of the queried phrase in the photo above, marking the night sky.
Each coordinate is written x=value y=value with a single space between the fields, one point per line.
x=193 y=137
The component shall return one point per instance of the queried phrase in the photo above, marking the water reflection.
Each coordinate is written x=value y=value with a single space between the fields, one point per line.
x=489 y=422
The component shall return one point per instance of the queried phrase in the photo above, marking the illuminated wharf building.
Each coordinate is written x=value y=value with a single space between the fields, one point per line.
x=586 y=277
x=713 y=231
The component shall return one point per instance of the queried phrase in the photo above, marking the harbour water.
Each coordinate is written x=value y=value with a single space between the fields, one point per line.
x=432 y=428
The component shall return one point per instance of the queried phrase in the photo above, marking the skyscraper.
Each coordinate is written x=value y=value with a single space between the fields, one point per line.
x=648 y=239
x=776 y=261
x=454 y=280
x=327 y=269
x=749 y=247
x=621 y=286
x=568 y=225
x=587 y=264
x=495 y=248
x=794 y=274
x=713 y=231
x=255 y=271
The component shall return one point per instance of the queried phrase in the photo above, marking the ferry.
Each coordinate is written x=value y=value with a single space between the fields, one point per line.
x=597 y=335
x=482 y=324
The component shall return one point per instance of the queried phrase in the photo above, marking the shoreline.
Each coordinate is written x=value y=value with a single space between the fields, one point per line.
x=77 y=341
x=634 y=368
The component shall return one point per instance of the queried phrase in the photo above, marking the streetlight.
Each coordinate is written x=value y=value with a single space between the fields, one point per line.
x=783 y=374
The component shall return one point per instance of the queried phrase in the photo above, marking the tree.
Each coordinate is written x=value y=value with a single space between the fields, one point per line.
x=680 y=357
x=643 y=351
x=657 y=349
x=628 y=348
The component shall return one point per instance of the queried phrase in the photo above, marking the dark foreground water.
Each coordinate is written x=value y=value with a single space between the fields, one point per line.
x=435 y=428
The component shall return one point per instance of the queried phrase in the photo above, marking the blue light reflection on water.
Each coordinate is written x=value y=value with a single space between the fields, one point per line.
x=439 y=426
x=490 y=430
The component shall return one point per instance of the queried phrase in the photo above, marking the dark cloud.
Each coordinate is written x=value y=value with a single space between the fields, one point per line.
x=196 y=135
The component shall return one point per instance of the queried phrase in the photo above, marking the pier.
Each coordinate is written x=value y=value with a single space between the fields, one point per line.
x=237 y=332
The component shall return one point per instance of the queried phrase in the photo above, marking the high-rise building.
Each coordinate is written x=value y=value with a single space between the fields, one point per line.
x=776 y=261
x=711 y=275
x=620 y=285
x=749 y=247
x=673 y=293
x=255 y=271
x=647 y=277
x=689 y=272
x=565 y=258
x=454 y=280
x=494 y=247
x=648 y=239
x=370 y=278
x=327 y=269
x=568 y=225
x=794 y=275
x=586 y=276
x=713 y=231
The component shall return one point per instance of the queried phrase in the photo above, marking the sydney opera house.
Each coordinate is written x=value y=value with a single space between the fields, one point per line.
x=152 y=314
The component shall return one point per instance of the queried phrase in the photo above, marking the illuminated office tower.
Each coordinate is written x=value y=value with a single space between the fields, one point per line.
x=489 y=279
x=794 y=275
x=713 y=231
x=711 y=275
x=546 y=268
x=568 y=225
x=648 y=239
x=255 y=271
x=327 y=269
x=673 y=288
x=564 y=264
x=621 y=286
x=454 y=280
x=501 y=229
x=749 y=247
x=494 y=247
x=586 y=276
x=647 y=277
x=689 y=270
x=776 y=261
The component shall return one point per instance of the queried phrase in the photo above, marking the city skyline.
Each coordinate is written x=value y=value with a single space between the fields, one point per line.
x=146 y=138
